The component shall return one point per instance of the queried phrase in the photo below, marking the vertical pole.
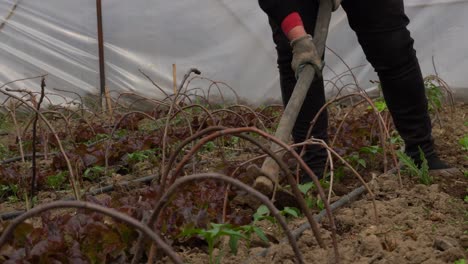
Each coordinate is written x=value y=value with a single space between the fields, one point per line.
x=174 y=77
x=102 y=74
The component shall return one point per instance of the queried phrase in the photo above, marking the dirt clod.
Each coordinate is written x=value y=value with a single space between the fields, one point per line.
x=445 y=243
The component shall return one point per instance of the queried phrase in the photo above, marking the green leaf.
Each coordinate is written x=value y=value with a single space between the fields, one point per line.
x=260 y=234
x=464 y=142
x=56 y=181
x=410 y=167
x=93 y=173
x=425 y=178
x=309 y=202
x=291 y=211
x=371 y=149
x=190 y=232
x=320 y=204
x=304 y=188
x=261 y=213
x=233 y=242
x=362 y=162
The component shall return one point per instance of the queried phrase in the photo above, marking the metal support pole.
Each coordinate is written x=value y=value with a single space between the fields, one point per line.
x=102 y=74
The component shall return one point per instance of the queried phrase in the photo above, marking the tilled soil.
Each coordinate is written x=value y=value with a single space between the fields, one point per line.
x=416 y=223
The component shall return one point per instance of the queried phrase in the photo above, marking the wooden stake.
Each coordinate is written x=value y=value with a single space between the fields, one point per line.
x=174 y=77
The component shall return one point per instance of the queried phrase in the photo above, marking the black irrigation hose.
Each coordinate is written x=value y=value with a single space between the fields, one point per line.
x=105 y=189
x=298 y=232
x=350 y=197
x=28 y=156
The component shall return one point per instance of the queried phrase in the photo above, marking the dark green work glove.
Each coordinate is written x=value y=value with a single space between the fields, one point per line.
x=304 y=52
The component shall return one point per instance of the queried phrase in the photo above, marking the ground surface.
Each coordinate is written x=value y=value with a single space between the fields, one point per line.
x=415 y=223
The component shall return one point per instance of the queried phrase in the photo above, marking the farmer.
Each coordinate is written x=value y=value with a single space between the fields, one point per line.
x=380 y=26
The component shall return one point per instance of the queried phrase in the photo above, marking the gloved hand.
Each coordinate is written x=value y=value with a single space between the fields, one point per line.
x=305 y=52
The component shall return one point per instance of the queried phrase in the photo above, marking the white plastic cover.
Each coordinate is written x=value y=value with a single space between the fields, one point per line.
x=228 y=40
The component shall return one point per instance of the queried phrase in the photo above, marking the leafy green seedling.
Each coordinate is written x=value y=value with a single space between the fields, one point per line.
x=460 y=261
x=248 y=230
x=10 y=190
x=373 y=150
x=291 y=211
x=212 y=235
x=424 y=176
x=139 y=156
x=56 y=181
x=320 y=204
x=4 y=151
x=209 y=146
x=356 y=161
x=306 y=187
x=434 y=95
x=464 y=142
x=94 y=172
x=380 y=104
x=412 y=169
x=263 y=213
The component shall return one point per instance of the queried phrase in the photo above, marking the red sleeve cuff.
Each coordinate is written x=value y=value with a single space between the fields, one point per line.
x=291 y=21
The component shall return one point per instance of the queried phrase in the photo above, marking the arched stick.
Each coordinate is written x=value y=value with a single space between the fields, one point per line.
x=220 y=177
x=281 y=145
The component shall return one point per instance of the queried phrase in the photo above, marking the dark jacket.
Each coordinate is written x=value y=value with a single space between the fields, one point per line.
x=278 y=10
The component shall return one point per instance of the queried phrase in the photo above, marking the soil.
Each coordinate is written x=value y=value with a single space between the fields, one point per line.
x=416 y=223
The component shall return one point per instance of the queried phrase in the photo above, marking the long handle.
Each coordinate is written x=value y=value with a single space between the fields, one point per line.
x=285 y=126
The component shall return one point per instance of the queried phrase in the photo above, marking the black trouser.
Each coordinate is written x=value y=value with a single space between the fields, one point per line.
x=380 y=26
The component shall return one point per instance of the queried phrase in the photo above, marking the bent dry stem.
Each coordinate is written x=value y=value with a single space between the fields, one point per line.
x=219 y=177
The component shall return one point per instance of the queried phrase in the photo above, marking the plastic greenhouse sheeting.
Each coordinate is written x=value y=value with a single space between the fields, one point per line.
x=228 y=40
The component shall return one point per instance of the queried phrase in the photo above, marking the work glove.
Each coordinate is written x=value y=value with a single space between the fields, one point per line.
x=305 y=52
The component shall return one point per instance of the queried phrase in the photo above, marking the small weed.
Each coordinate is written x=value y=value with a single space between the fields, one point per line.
x=460 y=261
x=412 y=169
x=208 y=147
x=291 y=211
x=464 y=142
x=94 y=173
x=380 y=104
x=56 y=181
x=373 y=150
x=263 y=213
x=4 y=152
x=434 y=95
x=139 y=156
x=10 y=191
x=212 y=235
x=356 y=161
x=4 y=125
